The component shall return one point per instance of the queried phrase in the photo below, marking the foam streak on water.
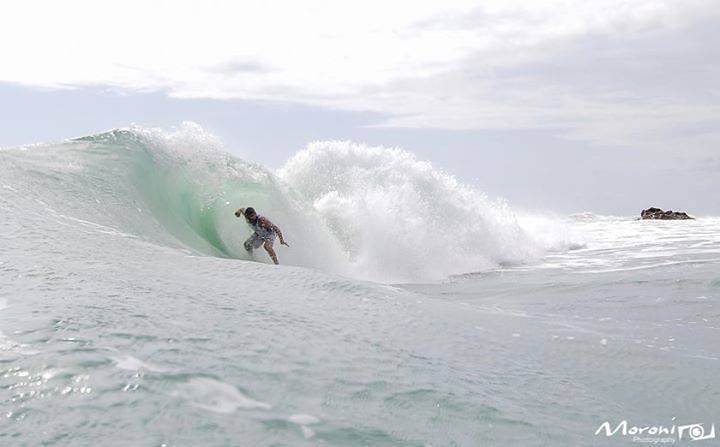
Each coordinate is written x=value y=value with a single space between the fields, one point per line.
x=134 y=317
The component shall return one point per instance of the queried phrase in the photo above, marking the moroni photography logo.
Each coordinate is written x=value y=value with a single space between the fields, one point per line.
x=657 y=434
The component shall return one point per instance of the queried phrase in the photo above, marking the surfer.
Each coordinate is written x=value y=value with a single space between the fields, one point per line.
x=264 y=232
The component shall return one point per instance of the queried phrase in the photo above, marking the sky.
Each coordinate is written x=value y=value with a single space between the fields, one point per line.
x=606 y=106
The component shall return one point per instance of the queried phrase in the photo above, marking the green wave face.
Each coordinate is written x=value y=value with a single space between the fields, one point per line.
x=183 y=191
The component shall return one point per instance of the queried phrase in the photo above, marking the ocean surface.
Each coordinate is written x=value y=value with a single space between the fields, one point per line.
x=409 y=310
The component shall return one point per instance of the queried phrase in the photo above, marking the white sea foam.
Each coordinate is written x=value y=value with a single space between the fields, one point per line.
x=131 y=363
x=216 y=396
x=303 y=419
x=399 y=218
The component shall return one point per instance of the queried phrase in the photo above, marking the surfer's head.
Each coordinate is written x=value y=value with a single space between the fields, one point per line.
x=250 y=214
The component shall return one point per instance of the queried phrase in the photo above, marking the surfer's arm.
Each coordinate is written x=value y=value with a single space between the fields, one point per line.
x=279 y=233
x=239 y=212
x=271 y=226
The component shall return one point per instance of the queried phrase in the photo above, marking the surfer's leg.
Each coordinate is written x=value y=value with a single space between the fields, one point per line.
x=248 y=245
x=253 y=241
x=269 y=248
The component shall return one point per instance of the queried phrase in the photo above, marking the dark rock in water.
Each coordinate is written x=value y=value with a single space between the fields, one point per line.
x=657 y=213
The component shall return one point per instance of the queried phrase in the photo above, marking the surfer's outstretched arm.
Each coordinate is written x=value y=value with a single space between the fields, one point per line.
x=280 y=236
x=265 y=223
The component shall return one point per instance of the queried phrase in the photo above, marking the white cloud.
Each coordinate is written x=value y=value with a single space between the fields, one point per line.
x=611 y=71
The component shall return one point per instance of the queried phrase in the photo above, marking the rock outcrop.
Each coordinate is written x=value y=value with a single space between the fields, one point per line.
x=657 y=213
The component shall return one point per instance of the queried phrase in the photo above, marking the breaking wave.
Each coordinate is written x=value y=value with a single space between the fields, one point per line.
x=367 y=212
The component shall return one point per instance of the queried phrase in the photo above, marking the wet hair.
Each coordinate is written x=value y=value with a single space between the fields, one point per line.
x=249 y=210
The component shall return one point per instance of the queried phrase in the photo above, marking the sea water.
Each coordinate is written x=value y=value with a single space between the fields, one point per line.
x=410 y=309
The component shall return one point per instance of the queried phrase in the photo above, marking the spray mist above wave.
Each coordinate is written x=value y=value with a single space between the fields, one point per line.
x=398 y=216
